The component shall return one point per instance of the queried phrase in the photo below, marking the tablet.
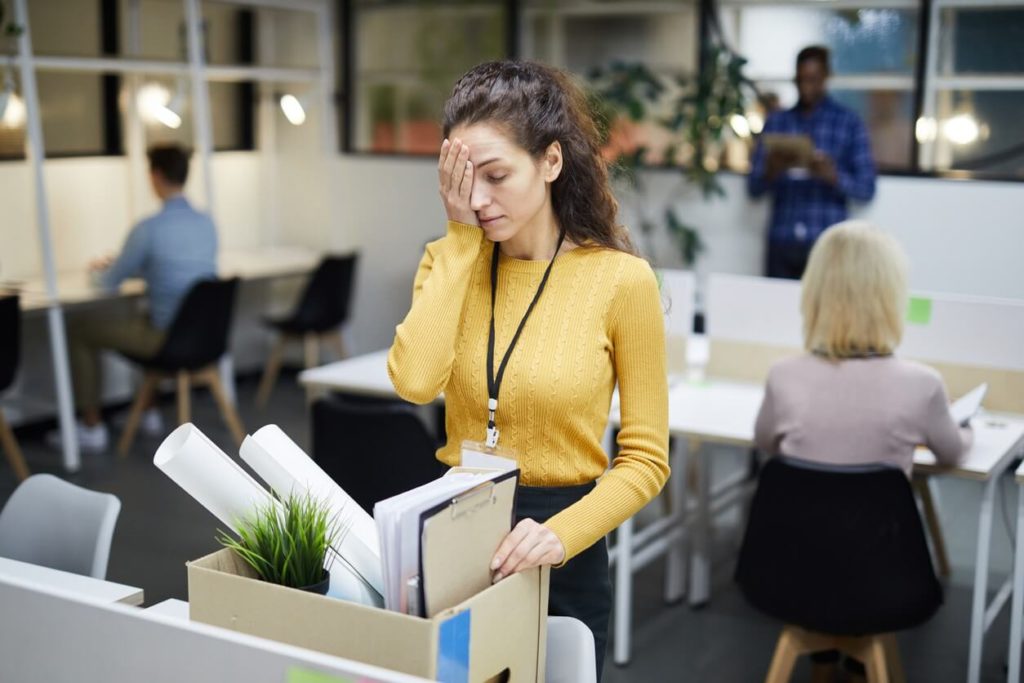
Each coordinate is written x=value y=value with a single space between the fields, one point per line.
x=799 y=147
x=965 y=407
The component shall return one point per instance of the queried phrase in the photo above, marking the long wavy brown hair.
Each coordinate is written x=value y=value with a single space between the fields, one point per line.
x=537 y=105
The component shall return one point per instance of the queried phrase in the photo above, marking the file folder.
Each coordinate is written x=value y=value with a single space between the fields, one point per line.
x=458 y=539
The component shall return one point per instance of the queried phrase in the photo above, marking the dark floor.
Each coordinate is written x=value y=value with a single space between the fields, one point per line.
x=161 y=527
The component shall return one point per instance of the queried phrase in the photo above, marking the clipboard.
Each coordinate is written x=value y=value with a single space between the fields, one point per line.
x=458 y=539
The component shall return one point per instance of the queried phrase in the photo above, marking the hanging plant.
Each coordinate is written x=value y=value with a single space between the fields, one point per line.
x=8 y=28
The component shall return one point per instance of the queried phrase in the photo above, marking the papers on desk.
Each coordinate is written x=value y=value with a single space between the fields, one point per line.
x=437 y=540
x=967 y=406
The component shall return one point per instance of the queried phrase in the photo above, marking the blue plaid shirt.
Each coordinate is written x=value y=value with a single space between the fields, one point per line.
x=804 y=207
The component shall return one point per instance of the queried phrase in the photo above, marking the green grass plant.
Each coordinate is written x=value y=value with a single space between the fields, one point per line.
x=286 y=541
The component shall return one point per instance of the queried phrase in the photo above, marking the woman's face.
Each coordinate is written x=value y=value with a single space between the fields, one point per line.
x=510 y=188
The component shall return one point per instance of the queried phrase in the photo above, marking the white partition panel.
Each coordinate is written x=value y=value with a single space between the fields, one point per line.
x=59 y=637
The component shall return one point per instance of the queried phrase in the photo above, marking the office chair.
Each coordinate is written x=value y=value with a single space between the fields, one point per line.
x=322 y=309
x=373 y=451
x=10 y=353
x=195 y=341
x=839 y=555
x=50 y=522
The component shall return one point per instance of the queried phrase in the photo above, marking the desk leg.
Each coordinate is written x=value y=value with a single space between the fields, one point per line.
x=623 y=592
x=65 y=399
x=675 y=561
x=700 y=554
x=1017 y=604
x=981 y=581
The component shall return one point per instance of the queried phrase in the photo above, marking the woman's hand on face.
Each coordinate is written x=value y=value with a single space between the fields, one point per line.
x=455 y=173
x=528 y=545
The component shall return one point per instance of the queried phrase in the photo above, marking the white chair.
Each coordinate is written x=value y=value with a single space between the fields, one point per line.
x=52 y=523
x=570 y=652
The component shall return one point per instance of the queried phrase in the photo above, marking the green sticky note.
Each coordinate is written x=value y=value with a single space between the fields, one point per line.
x=299 y=675
x=919 y=312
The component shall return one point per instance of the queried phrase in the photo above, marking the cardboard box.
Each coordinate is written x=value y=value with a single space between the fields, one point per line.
x=502 y=629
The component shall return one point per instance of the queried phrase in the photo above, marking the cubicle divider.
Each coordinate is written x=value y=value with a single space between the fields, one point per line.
x=52 y=635
x=752 y=322
x=678 y=288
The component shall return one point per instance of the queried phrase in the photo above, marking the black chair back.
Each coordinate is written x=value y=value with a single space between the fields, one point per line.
x=10 y=339
x=325 y=301
x=837 y=550
x=198 y=336
x=373 y=451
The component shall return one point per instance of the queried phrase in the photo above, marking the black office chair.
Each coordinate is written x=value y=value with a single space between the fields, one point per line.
x=10 y=355
x=373 y=451
x=839 y=555
x=322 y=309
x=195 y=341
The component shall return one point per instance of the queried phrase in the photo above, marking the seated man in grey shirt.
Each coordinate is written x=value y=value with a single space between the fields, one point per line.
x=170 y=250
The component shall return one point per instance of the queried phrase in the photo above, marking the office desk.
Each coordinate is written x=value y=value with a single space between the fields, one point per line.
x=723 y=412
x=86 y=586
x=76 y=289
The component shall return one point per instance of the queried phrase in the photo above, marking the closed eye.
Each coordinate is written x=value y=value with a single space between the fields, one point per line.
x=497 y=178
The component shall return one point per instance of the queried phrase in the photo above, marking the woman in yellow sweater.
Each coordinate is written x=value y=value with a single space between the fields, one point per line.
x=527 y=313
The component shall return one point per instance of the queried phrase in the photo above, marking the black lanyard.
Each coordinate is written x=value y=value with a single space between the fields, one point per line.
x=494 y=381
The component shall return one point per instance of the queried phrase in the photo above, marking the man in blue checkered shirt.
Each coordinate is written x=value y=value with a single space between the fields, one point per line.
x=810 y=195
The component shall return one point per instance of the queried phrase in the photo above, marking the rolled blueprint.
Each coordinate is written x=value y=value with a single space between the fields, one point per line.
x=207 y=474
x=287 y=468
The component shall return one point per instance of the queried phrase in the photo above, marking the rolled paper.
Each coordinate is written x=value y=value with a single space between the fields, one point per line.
x=285 y=467
x=207 y=474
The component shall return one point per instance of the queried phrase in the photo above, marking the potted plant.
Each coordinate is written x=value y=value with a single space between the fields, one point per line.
x=287 y=542
x=688 y=116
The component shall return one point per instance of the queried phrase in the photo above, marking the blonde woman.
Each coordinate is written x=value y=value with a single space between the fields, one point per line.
x=849 y=399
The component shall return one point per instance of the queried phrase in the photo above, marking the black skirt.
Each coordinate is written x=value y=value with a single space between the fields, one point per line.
x=582 y=588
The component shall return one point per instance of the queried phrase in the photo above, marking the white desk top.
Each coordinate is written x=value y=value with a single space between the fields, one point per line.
x=45 y=577
x=76 y=287
x=711 y=410
x=172 y=607
x=366 y=374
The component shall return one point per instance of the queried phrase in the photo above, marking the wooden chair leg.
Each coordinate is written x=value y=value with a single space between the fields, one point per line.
x=786 y=651
x=931 y=517
x=184 y=397
x=142 y=399
x=892 y=655
x=271 y=371
x=12 y=450
x=877 y=668
x=227 y=410
x=338 y=342
x=312 y=344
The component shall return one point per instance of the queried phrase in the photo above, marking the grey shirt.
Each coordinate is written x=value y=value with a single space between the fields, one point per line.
x=170 y=250
x=856 y=411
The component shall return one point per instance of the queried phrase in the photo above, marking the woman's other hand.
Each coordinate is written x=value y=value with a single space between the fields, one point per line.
x=528 y=545
x=455 y=174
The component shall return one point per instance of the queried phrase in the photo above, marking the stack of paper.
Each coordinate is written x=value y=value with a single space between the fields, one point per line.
x=398 y=523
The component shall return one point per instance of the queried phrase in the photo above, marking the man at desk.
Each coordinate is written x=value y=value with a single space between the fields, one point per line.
x=810 y=191
x=170 y=250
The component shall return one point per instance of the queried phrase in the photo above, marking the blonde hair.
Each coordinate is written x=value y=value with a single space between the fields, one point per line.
x=854 y=292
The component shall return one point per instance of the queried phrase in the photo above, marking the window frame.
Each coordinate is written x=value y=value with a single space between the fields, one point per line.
x=923 y=83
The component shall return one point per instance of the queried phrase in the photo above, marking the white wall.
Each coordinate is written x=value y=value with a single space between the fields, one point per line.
x=961 y=236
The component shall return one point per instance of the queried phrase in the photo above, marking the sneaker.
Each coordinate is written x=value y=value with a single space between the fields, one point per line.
x=151 y=424
x=90 y=439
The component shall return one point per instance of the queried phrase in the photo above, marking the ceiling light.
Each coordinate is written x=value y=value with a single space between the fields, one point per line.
x=962 y=129
x=293 y=110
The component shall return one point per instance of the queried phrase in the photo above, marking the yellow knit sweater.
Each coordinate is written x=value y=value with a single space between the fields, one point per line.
x=598 y=321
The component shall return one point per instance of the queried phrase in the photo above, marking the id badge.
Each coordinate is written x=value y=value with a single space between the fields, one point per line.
x=479 y=455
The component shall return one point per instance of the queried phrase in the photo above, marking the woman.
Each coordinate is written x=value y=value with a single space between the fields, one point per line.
x=527 y=313
x=849 y=400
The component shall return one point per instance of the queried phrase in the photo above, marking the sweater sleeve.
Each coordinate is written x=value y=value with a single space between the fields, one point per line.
x=947 y=441
x=421 y=357
x=129 y=262
x=640 y=468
